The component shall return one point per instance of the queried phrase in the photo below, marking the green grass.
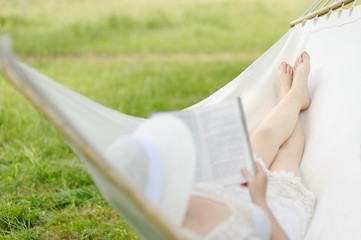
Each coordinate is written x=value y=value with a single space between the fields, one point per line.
x=134 y=56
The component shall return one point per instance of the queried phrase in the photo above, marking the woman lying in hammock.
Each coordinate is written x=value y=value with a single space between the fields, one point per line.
x=274 y=204
x=279 y=141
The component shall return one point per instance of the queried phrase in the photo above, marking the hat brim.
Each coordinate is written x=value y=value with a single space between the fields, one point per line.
x=176 y=146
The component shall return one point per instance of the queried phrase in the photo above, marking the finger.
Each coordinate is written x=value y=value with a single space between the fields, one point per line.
x=261 y=174
x=246 y=174
x=259 y=168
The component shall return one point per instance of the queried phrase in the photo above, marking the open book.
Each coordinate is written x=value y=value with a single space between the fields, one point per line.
x=222 y=142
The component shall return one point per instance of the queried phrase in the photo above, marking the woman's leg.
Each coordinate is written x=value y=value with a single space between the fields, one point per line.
x=281 y=122
x=290 y=153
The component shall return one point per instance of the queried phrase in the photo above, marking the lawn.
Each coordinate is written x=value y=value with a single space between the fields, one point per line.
x=135 y=56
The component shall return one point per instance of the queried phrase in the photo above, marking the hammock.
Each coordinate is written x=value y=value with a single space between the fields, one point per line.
x=331 y=165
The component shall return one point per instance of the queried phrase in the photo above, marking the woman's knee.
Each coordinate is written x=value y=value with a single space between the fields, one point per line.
x=263 y=136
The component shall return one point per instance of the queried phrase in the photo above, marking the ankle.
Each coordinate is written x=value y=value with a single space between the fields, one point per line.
x=297 y=96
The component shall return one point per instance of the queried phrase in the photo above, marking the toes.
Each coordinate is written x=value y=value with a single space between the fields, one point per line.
x=283 y=67
x=305 y=56
x=296 y=64
x=289 y=69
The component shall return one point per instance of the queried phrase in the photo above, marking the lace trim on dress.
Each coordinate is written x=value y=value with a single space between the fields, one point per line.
x=286 y=185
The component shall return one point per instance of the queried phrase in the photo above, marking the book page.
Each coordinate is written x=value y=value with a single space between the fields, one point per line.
x=221 y=141
x=224 y=141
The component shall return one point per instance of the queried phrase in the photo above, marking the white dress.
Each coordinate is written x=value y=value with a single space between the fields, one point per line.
x=289 y=200
x=247 y=221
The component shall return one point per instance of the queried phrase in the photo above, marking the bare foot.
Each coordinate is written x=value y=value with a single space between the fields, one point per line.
x=285 y=75
x=301 y=70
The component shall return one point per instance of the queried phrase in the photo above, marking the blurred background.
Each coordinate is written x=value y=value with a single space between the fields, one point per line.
x=135 y=56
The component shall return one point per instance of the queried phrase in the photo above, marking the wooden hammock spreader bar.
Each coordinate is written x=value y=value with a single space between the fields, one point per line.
x=321 y=11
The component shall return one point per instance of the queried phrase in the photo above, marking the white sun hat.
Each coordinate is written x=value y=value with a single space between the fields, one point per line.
x=160 y=158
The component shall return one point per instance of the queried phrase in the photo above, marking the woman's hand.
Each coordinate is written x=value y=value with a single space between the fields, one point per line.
x=257 y=185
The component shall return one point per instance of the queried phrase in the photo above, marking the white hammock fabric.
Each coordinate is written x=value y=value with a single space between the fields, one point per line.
x=331 y=165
